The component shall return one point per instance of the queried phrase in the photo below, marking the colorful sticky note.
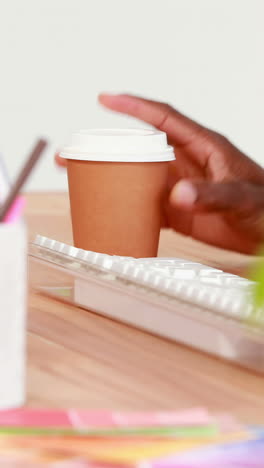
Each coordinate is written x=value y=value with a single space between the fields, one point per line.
x=103 y=419
x=250 y=452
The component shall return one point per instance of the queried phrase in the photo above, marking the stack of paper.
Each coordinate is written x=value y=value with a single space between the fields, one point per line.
x=103 y=439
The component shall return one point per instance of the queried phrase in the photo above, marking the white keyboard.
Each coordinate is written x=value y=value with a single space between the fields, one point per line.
x=182 y=300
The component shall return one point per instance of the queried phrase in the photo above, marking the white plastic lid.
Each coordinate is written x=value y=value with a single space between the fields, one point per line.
x=123 y=145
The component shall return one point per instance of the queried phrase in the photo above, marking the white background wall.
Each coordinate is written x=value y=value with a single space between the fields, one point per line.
x=203 y=56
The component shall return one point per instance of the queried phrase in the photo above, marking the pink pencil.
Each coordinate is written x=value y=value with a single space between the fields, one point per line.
x=16 y=210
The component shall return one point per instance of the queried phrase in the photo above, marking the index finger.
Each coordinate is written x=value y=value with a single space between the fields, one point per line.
x=178 y=127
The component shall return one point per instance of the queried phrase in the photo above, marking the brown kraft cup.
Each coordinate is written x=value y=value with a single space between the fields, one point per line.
x=117 y=183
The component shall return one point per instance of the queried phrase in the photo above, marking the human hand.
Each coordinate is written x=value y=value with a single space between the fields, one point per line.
x=216 y=193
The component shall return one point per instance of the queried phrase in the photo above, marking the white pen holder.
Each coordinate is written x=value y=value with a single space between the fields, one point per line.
x=13 y=289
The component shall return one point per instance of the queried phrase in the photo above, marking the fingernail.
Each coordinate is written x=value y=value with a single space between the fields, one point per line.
x=103 y=96
x=184 y=193
x=109 y=98
x=118 y=102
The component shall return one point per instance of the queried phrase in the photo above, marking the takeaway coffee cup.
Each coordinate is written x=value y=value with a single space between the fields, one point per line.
x=117 y=182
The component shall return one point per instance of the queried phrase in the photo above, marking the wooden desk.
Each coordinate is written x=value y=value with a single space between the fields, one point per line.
x=79 y=359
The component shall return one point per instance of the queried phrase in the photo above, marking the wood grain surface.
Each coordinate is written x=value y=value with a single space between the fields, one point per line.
x=79 y=359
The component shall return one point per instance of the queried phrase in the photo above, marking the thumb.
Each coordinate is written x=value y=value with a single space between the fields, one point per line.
x=239 y=197
x=60 y=161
